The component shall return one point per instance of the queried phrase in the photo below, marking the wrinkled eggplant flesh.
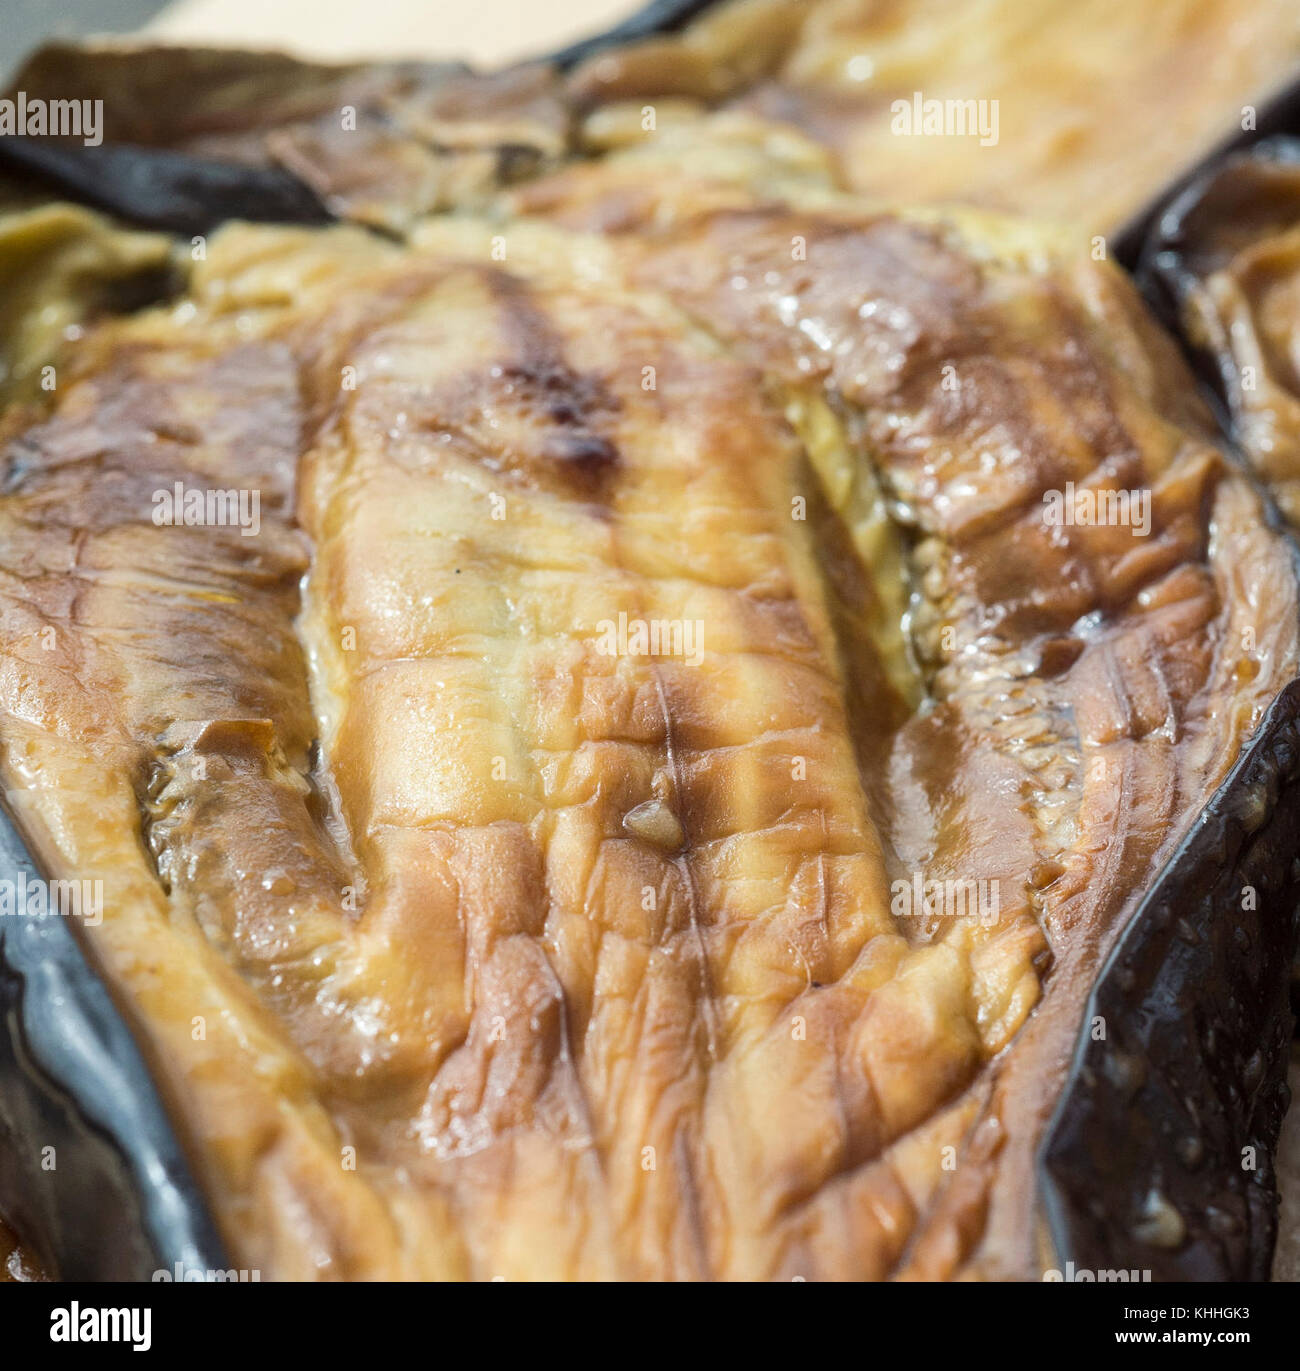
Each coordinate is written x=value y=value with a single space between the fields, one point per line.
x=61 y=267
x=473 y=935
x=1077 y=110
x=378 y=143
x=1073 y=110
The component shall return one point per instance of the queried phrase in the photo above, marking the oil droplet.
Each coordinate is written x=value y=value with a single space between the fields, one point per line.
x=1160 y=1224
x=278 y=883
x=653 y=822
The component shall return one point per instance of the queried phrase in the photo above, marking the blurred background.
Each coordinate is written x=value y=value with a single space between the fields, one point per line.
x=480 y=31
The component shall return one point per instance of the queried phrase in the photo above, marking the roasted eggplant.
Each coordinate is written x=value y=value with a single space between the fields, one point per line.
x=673 y=722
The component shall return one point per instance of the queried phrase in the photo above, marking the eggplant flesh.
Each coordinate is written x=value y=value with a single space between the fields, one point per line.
x=1070 y=115
x=469 y=929
x=195 y=136
x=1065 y=112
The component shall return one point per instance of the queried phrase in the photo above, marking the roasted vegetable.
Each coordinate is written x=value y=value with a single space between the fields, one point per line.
x=671 y=723
x=1225 y=262
x=521 y=946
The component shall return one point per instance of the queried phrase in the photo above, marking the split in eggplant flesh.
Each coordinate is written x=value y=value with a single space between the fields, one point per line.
x=515 y=376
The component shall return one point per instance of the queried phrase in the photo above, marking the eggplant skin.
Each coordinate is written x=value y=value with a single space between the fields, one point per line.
x=73 y=1080
x=1159 y=1163
x=1225 y=264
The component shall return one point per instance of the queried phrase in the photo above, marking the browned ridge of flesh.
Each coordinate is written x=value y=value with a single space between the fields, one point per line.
x=512 y=824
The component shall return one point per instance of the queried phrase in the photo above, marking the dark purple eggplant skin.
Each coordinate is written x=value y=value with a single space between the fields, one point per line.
x=1278 y=116
x=120 y=1202
x=659 y=16
x=1161 y=269
x=159 y=189
x=1189 y=1081
x=1194 y=995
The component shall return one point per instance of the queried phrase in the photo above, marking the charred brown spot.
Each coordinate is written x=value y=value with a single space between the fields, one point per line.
x=586 y=450
x=518 y=162
x=1058 y=655
x=565 y=396
x=540 y=380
